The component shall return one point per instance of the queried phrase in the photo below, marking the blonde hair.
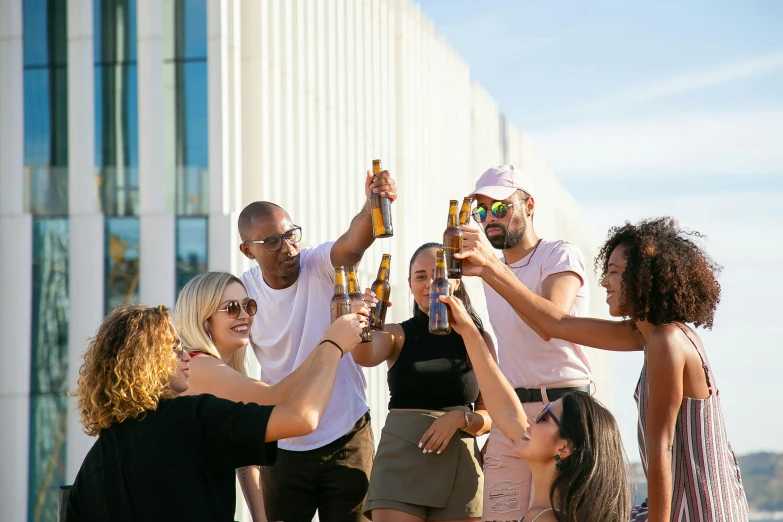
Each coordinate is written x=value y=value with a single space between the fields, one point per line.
x=197 y=302
x=127 y=366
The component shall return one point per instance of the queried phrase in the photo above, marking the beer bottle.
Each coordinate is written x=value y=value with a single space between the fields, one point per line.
x=464 y=212
x=452 y=243
x=381 y=209
x=355 y=293
x=382 y=291
x=439 y=312
x=341 y=303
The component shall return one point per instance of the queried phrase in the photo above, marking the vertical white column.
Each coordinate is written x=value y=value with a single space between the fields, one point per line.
x=156 y=186
x=15 y=270
x=220 y=240
x=86 y=220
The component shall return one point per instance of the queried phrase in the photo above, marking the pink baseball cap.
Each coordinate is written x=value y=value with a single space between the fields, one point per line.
x=500 y=183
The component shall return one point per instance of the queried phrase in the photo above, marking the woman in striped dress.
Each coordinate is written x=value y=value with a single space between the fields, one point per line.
x=657 y=277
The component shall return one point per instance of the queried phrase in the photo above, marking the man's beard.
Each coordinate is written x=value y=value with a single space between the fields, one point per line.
x=506 y=239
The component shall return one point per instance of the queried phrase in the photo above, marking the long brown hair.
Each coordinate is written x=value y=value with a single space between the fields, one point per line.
x=126 y=367
x=592 y=482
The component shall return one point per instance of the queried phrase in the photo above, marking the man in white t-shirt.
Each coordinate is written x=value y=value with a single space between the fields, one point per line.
x=329 y=469
x=540 y=370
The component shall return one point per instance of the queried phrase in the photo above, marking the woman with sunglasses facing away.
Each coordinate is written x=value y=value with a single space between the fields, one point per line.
x=573 y=447
x=214 y=316
x=656 y=276
x=427 y=466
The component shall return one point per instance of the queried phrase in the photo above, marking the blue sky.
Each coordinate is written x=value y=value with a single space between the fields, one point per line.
x=661 y=108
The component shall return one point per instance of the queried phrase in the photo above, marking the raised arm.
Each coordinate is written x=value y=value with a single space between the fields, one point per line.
x=385 y=345
x=301 y=414
x=499 y=397
x=549 y=319
x=383 y=348
x=211 y=375
x=482 y=421
x=350 y=247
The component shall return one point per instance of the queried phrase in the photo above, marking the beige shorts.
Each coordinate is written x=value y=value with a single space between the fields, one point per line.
x=508 y=485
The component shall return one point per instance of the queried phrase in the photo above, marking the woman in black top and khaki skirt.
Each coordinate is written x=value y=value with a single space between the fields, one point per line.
x=428 y=464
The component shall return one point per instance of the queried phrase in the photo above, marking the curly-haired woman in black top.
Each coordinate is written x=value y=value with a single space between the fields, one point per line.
x=657 y=276
x=428 y=464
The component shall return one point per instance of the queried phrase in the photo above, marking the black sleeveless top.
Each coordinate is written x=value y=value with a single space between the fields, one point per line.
x=432 y=372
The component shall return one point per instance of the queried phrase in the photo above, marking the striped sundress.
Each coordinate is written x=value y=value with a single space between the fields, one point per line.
x=706 y=481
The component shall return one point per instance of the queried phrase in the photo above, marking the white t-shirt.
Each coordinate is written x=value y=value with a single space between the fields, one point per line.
x=525 y=359
x=287 y=327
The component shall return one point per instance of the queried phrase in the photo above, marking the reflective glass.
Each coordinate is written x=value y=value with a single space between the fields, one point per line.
x=188 y=21
x=44 y=33
x=49 y=367
x=122 y=262
x=191 y=137
x=191 y=248
x=114 y=30
x=45 y=107
x=116 y=106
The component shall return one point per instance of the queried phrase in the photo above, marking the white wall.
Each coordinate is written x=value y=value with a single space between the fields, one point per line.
x=326 y=87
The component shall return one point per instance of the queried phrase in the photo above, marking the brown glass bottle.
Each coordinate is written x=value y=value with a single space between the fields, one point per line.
x=355 y=293
x=382 y=291
x=464 y=212
x=381 y=209
x=439 y=312
x=452 y=243
x=341 y=303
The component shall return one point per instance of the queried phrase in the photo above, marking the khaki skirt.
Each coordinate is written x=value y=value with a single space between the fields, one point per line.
x=402 y=473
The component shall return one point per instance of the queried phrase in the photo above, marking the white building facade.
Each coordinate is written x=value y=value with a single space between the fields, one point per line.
x=133 y=132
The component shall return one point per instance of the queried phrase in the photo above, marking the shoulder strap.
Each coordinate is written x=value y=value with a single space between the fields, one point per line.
x=703 y=363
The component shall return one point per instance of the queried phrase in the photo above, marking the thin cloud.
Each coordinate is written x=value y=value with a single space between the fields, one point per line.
x=719 y=143
x=684 y=83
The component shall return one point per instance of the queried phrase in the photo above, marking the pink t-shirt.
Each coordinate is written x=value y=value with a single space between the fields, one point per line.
x=525 y=359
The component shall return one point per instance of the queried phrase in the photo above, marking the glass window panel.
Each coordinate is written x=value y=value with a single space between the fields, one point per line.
x=185 y=29
x=44 y=33
x=122 y=262
x=46 y=141
x=114 y=31
x=192 y=154
x=49 y=367
x=191 y=249
x=37 y=126
x=195 y=21
x=116 y=139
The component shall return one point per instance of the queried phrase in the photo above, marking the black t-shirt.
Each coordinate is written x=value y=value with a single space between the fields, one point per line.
x=175 y=463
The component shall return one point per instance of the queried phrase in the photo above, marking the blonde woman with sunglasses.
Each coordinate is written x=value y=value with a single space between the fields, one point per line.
x=214 y=315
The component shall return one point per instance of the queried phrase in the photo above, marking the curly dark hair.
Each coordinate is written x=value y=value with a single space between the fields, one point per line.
x=668 y=277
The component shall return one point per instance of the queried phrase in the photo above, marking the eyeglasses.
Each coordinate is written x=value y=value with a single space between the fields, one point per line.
x=498 y=209
x=275 y=243
x=547 y=411
x=180 y=351
x=234 y=308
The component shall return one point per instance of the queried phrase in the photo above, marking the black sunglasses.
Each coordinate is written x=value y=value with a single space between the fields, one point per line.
x=234 y=308
x=547 y=411
x=275 y=243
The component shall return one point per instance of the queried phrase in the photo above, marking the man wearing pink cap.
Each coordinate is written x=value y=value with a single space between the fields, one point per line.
x=541 y=369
